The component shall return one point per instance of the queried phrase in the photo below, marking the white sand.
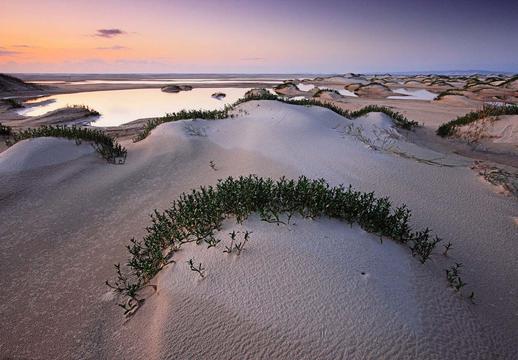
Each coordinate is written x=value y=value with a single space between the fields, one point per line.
x=296 y=291
x=40 y=152
x=504 y=130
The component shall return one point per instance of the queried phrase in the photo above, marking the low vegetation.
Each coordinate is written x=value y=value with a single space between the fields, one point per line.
x=285 y=85
x=509 y=81
x=453 y=277
x=105 y=145
x=87 y=109
x=13 y=103
x=195 y=217
x=448 y=92
x=182 y=115
x=5 y=130
x=323 y=91
x=449 y=128
x=399 y=119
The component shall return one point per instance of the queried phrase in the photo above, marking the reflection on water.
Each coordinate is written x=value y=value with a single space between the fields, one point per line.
x=122 y=106
x=160 y=81
x=414 y=94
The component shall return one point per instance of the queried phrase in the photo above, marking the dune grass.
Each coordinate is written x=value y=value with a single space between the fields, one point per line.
x=321 y=91
x=182 y=115
x=195 y=217
x=5 y=130
x=13 y=103
x=399 y=119
x=448 y=129
x=105 y=145
x=508 y=81
x=86 y=108
x=448 y=92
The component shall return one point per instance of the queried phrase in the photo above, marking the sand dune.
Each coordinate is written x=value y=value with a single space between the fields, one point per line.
x=41 y=152
x=296 y=291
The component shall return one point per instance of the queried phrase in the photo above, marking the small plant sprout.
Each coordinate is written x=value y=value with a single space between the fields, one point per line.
x=453 y=277
x=447 y=247
x=229 y=249
x=123 y=286
x=213 y=165
x=199 y=269
x=240 y=246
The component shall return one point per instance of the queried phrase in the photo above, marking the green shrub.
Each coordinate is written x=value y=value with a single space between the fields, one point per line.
x=13 y=103
x=197 y=215
x=448 y=92
x=321 y=91
x=448 y=129
x=88 y=109
x=5 y=130
x=106 y=146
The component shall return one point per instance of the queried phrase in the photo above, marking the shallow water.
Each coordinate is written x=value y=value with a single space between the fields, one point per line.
x=122 y=106
x=420 y=94
x=160 y=81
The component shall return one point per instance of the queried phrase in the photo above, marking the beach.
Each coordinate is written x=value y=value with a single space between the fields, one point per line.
x=312 y=288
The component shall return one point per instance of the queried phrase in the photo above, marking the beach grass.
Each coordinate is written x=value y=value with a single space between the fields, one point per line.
x=196 y=216
x=448 y=92
x=13 y=103
x=105 y=145
x=399 y=119
x=322 y=91
x=449 y=128
x=87 y=109
x=5 y=130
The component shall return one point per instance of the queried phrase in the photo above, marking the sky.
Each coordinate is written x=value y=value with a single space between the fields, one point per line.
x=267 y=36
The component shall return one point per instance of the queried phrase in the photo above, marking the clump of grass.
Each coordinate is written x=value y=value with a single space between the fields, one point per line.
x=285 y=85
x=197 y=215
x=105 y=145
x=13 y=103
x=182 y=115
x=90 y=111
x=508 y=81
x=322 y=91
x=448 y=92
x=399 y=119
x=5 y=130
x=449 y=128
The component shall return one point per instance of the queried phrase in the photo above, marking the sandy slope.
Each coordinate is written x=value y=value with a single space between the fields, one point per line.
x=298 y=291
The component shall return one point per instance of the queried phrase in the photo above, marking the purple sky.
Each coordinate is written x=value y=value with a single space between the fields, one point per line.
x=257 y=36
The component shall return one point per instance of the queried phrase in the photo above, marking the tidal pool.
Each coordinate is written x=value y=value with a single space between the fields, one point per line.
x=118 y=107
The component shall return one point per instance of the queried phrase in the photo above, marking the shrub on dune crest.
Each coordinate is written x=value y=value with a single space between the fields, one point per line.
x=5 y=130
x=448 y=129
x=13 y=103
x=197 y=215
x=105 y=145
x=399 y=119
